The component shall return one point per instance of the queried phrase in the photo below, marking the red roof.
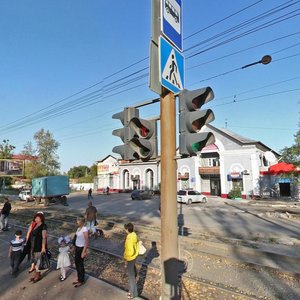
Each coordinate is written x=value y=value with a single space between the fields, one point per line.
x=24 y=157
x=282 y=167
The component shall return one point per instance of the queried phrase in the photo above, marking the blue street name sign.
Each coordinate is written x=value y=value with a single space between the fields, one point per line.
x=171 y=66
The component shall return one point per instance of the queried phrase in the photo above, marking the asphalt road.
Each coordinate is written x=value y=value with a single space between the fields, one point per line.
x=222 y=217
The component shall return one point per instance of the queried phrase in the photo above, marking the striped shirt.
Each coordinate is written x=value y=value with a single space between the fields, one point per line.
x=17 y=245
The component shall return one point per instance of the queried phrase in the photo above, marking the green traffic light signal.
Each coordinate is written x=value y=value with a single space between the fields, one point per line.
x=192 y=119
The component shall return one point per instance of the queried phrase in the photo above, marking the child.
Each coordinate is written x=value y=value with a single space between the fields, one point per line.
x=15 y=251
x=63 y=260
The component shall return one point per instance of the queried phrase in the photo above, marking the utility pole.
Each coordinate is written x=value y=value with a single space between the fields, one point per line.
x=169 y=228
x=167 y=79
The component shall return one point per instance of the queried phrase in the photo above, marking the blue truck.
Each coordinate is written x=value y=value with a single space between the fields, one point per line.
x=50 y=189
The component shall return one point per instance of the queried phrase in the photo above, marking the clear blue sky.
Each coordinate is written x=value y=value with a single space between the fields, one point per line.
x=51 y=50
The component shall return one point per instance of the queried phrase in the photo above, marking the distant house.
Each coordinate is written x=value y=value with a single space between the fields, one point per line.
x=15 y=165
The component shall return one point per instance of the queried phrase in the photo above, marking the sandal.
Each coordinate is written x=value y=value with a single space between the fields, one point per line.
x=31 y=270
x=78 y=284
x=75 y=282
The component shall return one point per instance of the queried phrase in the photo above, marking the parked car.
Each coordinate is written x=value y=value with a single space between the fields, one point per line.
x=141 y=194
x=190 y=196
x=25 y=195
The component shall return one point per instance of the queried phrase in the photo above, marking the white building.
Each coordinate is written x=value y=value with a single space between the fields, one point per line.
x=231 y=162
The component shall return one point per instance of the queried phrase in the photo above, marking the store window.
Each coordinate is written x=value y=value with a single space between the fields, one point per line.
x=237 y=183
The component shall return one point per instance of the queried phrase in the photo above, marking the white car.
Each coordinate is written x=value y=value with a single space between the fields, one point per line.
x=190 y=196
x=25 y=195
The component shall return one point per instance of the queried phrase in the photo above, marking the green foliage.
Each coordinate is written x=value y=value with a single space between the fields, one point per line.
x=93 y=170
x=235 y=193
x=6 y=149
x=78 y=172
x=292 y=154
x=85 y=179
x=45 y=149
x=83 y=172
x=29 y=149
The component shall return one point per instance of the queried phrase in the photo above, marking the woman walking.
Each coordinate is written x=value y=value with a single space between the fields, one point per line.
x=38 y=240
x=130 y=254
x=81 y=244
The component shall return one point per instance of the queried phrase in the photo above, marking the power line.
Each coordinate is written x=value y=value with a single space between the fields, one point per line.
x=91 y=97
x=243 y=24
x=246 y=49
x=221 y=20
x=253 y=30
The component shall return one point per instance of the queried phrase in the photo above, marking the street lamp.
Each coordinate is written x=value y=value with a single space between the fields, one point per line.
x=265 y=60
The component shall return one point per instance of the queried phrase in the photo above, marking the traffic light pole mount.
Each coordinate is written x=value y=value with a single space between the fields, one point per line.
x=169 y=229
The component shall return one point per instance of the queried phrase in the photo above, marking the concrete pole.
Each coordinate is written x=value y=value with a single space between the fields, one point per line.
x=169 y=230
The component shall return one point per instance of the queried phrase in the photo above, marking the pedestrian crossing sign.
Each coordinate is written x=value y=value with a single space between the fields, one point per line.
x=171 y=67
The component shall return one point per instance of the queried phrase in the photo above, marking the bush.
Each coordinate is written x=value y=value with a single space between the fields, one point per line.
x=237 y=193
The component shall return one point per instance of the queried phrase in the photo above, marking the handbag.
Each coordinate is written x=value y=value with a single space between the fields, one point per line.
x=44 y=263
x=49 y=254
x=74 y=240
x=142 y=249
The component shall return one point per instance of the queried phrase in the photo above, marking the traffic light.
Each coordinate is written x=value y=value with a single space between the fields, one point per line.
x=144 y=141
x=139 y=136
x=125 y=133
x=192 y=119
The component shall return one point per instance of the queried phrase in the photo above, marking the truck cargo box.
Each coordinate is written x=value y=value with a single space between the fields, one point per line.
x=50 y=186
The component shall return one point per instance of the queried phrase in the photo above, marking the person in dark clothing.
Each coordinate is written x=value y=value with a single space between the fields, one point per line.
x=15 y=251
x=81 y=243
x=4 y=215
x=27 y=245
x=90 y=194
x=38 y=239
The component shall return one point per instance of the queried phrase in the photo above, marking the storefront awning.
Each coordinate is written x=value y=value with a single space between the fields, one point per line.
x=282 y=167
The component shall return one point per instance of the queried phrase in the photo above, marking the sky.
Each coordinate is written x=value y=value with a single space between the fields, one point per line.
x=68 y=65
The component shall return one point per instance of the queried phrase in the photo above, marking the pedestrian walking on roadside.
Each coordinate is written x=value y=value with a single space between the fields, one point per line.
x=63 y=259
x=27 y=244
x=91 y=217
x=90 y=191
x=81 y=242
x=15 y=251
x=38 y=240
x=130 y=254
x=4 y=215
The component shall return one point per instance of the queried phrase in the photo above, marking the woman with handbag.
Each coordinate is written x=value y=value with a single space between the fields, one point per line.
x=38 y=240
x=81 y=242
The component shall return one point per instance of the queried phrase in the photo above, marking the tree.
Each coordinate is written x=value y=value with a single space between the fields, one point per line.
x=45 y=149
x=93 y=170
x=29 y=149
x=6 y=150
x=292 y=154
x=78 y=172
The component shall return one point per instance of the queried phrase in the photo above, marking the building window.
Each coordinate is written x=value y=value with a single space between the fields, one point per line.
x=149 y=179
x=213 y=162
x=237 y=184
x=125 y=179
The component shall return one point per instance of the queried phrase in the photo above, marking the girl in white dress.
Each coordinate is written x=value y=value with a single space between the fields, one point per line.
x=63 y=260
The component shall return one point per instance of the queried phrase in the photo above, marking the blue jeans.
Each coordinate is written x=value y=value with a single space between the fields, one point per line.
x=131 y=272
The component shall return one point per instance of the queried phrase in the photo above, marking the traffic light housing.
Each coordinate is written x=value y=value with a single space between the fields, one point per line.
x=144 y=141
x=192 y=119
x=138 y=135
x=125 y=133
